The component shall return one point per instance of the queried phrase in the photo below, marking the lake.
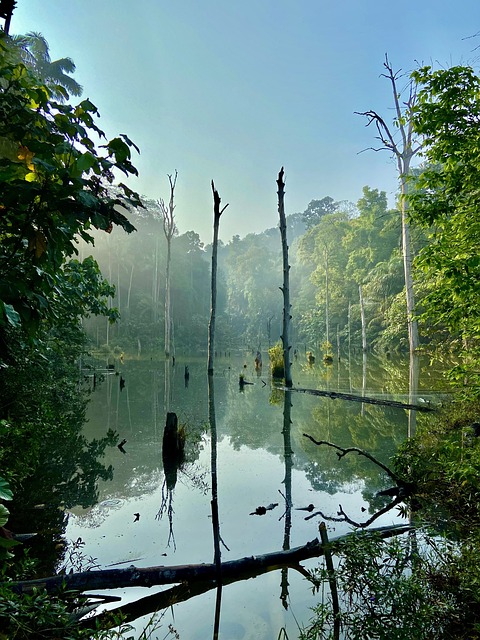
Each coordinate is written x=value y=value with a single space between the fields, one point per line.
x=174 y=527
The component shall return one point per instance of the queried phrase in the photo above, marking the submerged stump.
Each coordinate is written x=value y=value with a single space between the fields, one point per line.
x=173 y=449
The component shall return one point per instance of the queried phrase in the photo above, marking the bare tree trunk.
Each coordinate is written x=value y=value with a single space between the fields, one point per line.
x=130 y=290
x=327 y=301
x=287 y=482
x=349 y=330
x=412 y=324
x=286 y=282
x=240 y=569
x=217 y=212
x=169 y=229
x=155 y=284
x=167 y=339
x=403 y=152
x=362 y=316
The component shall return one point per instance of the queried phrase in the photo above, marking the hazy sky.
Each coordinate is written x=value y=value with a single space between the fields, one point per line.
x=231 y=91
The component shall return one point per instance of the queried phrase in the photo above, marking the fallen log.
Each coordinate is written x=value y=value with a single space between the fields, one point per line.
x=150 y=576
x=353 y=398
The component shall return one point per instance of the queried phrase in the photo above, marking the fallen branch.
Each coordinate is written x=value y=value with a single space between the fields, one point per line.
x=353 y=398
x=241 y=569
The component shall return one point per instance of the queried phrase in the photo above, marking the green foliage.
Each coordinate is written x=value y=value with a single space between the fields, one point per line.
x=443 y=461
x=317 y=209
x=394 y=589
x=38 y=615
x=54 y=188
x=5 y=543
x=275 y=354
x=33 y=50
x=446 y=200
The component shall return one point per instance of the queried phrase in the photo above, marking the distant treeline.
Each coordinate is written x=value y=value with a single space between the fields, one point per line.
x=334 y=248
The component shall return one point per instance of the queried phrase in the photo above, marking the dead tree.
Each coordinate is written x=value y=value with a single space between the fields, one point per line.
x=240 y=569
x=362 y=316
x=286 y=281
x=217 y=212
x=403 y=151
x=169 y=229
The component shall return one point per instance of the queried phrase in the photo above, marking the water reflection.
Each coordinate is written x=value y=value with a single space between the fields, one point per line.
x=254 y=462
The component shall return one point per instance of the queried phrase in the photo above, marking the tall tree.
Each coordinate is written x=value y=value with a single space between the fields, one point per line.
x=34 y=52
x=317 y=209
x=403 y=151
x=169 y=229
x=446 y=200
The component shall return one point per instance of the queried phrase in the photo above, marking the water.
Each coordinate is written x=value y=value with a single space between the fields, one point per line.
x=176 y=528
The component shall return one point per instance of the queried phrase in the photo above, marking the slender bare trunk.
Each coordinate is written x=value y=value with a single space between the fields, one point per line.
x=130 y=289
x=412 y=324
x=169 y=229
x=217 y=212
x=362 y=315
x=211 y=413
x=168 y=339
x=327 y=300
x=286 y=282
x=403 y=150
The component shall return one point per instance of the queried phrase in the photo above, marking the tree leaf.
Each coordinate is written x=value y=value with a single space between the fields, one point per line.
x=12 y=316
x=5 y=491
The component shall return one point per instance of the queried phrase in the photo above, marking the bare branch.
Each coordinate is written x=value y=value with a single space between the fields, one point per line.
x=360 y=525
x=341 y=452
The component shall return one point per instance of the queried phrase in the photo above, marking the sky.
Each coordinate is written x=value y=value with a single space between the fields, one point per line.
x=232 y=91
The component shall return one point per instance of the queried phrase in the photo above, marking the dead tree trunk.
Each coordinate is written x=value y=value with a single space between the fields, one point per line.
x=362 y=316
x=240 y=569
x=169 y=229
x=217 y=212
x=286 y=282
x=403 y=152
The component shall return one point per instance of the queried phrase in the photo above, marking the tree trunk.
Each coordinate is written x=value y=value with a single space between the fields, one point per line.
x=286 y=282
x=130 y=290
x=403 y=152
x=169 y=229
x=362 y=315
x=147 y=577
x=167 y=300
x=327 y=302
x=217 y=212
x=413 y=337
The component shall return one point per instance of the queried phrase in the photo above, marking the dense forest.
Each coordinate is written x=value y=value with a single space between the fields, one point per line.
x=336 y=247
x=84 y=264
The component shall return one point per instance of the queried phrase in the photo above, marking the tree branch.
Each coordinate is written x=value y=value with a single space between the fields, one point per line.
x=341 y=452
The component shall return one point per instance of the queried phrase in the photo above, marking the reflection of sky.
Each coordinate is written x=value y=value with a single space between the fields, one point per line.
x=246 y=479
x=251 y=471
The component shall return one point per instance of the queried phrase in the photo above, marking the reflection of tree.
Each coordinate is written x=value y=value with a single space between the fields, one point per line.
x=287 y=452
x=414 y=372
x=59 y=467
x=399 y=492
x=378 y=430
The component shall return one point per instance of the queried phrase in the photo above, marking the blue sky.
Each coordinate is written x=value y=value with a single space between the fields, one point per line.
x=232 y=91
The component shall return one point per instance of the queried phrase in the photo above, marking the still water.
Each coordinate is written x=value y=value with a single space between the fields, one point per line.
x=175 y=527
